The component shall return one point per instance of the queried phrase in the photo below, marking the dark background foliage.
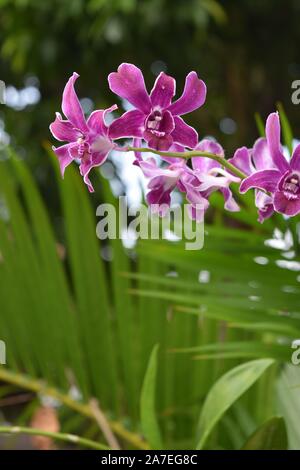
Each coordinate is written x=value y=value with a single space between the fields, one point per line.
x=246 y=51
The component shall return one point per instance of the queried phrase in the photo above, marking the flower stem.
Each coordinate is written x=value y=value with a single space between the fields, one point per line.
x=84 y=409
x=190 y=154
x=71 y=438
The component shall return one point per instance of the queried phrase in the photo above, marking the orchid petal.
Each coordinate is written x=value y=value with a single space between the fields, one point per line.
x=205 y=164
x=138 y=155
x=266 y=180
x=264 y=203
x=196 y=199
x=261 y=155
x=86 y=166
x=64 y=156
x=130 y=124
x=172 y=160
x=184 y=134
x=96 y=122
x=286 y=206
x=242 y=160
x=152 y=170
x=162 y=91
x=266 y=213
x=211 y=146
x=198 y=204
x=295 y=160
x=273 y=139
x=193 y=96
x=262 y=199
x=230 y=203
x=71 y=107
x=160 y=143
x=63 y=130
x=209 y=181
x=128 y=83
x=167 y=124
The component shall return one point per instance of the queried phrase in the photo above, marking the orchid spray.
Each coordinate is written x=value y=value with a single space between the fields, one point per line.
x=196 y=168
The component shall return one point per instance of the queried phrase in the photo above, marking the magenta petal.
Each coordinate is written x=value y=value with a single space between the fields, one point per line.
x=184 y=134
x=175 y=148
x=262 y=156
x=262 y=199
x=273 y=139
x=130 y=124
x=265 y=213
x=286 y=206
x=158 y=196
x=195 y=197
x=264 y=203
x=295 y=160
x=167 y=124
x=230 y=203
x=96 y=121
x=266 y=180
x=163 y=91
x=63 y=130
x=204 y=164
x=208 y=145
x=199 y=204
x=128 y=83
x=138 y=155
x=242 y=160
x=85 y=167
x=71 y=106
x=159 y=143
x=64 y=156
x=150 y=168
x=193 y=96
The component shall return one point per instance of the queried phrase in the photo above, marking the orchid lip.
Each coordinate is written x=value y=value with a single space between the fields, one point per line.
x=82 y=147
x=291 y=185
x=153 y=121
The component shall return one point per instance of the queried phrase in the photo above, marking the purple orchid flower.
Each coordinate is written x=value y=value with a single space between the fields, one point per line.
x=162 y=180
x=88 y=140
x=283 y=179
x=155 y=118
x=197 y=182
x=205 y=177
x=249 y=161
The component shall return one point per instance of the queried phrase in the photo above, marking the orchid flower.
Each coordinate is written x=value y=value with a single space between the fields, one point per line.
x=282 y=180
x=155 y=118
x=250 y=161
x=205 y=177
x=88 y=140
x=162 y=181
x=198 y=182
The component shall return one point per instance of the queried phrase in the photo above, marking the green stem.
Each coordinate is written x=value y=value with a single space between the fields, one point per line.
x=84 y=409
x=71 y=438
x=191 y=154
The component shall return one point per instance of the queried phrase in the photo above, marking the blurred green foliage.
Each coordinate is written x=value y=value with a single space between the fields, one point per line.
x=245 y=50
x=89 y=325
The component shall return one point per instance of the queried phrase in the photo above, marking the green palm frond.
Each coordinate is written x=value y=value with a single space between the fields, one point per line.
x=81 y=323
